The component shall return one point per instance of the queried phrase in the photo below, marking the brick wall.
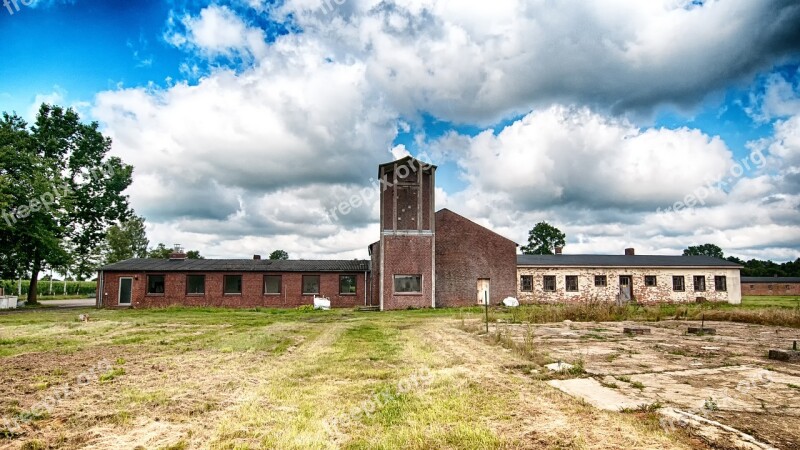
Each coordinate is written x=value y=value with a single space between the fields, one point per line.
x=465 y=252
x=662 y=292
x=252 y=291
x=775 y=288
x=407 y=255
x=375 y=275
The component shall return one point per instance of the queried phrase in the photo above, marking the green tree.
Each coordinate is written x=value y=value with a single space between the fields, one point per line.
x=162 y=252
x=126 y=240
x=543 y=240
x=279 y=255
x=194 y=254
x=704 y=250
x=65 y=196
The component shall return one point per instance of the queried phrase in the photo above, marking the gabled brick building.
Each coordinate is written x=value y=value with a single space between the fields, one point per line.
x=430 y=260
x=422 y=260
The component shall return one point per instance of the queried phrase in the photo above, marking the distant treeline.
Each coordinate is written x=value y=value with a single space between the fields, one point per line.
x=758 y=268
x=87 y=288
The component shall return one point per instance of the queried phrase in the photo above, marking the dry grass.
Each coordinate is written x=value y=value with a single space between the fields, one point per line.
x=597 y=311
x=186 y=379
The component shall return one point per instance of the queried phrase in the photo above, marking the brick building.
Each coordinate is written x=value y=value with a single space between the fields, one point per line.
x=643 y=279
x=148 y=283
x=426 y=259
x=770 y=285
x=422 y=260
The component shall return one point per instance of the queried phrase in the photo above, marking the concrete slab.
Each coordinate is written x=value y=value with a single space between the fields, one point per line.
x=595 y=394
x=559 y=366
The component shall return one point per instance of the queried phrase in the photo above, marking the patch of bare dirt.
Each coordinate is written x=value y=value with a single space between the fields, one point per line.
x=541 y=416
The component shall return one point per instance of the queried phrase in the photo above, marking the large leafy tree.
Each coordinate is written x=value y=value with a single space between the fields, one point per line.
x=279 y=255
x=704 y=250
x=126 y=240
x=543 y=240
x=64 y=191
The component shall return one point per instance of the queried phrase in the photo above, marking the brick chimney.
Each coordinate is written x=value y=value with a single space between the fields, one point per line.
x=177 y=253
x=257 y=257
x=559 y=250
x=630 y=252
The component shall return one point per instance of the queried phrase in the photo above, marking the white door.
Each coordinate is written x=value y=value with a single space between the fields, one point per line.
x=483 y=291
x=125 y=291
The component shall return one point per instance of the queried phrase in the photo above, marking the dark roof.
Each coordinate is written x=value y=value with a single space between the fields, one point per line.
x=771 y=280
x=235 y=265
x=622 y=261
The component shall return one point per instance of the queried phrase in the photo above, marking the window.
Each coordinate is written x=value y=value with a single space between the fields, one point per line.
x=650 y=280
x=310 y=284
x=272 y=284
x=572 y=283
x=347 y=284
x=155 y=284
x=232 y=284
x=699 y=283
x=195 y=284
x=549 y=283
x=678 y=284
x=408 y=284
x=721 y=283
x=526 y=283
x=600 y=280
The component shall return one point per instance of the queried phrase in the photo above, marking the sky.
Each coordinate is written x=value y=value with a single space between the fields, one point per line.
x=655 y=125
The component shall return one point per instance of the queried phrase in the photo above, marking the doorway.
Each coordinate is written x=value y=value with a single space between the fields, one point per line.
x=125 y=291
x=484 y=295
x=625 y=288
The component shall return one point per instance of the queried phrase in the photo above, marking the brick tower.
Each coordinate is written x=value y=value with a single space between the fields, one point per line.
x=406 y=257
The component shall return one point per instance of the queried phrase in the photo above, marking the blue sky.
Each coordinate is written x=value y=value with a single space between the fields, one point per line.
x=518 y=131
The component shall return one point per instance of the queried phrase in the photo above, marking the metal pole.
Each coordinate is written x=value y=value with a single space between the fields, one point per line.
x=486 y=308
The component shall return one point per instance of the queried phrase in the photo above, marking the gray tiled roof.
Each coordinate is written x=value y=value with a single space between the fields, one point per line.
x=622 y=261
x=775 y=280
x=236 y=265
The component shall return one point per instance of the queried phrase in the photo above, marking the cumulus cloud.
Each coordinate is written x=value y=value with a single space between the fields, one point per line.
x=608 y=184
x=564 y=155
x=248 y=160
x=481 y=61
x=262 y=153
x=217 y=31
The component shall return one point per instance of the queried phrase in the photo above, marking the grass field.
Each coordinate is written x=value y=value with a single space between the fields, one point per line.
x=223 y=379
x=781 y=301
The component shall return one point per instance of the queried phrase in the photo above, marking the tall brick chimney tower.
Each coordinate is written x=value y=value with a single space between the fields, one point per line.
x=407 y=251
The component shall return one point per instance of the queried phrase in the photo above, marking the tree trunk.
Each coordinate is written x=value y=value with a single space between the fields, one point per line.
x=33 y=287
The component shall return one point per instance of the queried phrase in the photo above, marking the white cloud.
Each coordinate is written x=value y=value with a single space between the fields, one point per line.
x=259 y=155
x=218 y=31
x=481 y=61
x=573 y=156
x=252 y=160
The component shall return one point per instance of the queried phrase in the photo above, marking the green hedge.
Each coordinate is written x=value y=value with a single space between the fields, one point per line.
x=87 y=288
